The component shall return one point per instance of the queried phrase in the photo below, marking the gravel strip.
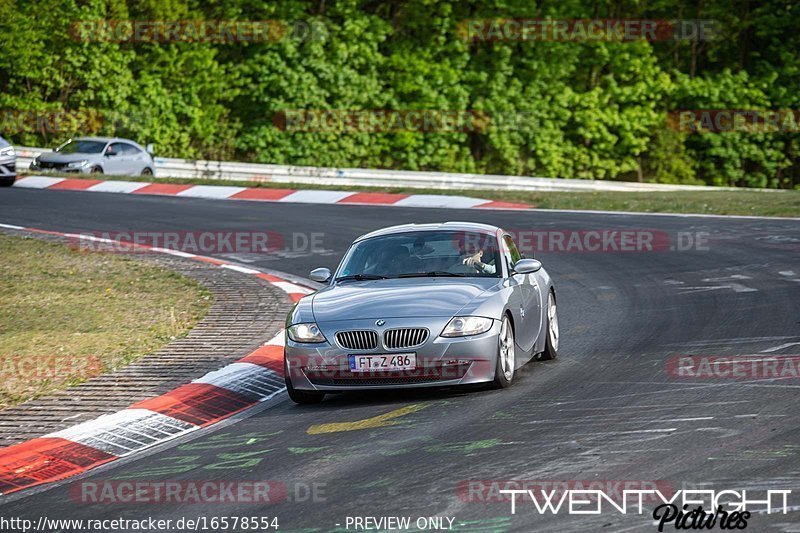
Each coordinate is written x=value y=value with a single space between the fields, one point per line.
x=247 y=312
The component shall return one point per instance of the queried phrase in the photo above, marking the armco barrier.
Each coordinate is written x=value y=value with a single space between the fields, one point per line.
x=226 y=170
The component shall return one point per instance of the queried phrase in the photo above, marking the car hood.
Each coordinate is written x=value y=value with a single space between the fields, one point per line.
x=55 y=157
x=398 y=298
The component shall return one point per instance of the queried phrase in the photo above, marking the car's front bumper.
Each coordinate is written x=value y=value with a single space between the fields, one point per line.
x=440 y=361
x=8 y=167
x=59 y=168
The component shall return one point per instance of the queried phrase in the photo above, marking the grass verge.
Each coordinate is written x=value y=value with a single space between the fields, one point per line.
x=67 y=315
x=742 y=202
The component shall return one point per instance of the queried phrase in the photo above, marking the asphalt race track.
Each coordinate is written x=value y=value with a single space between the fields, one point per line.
x=607 y=410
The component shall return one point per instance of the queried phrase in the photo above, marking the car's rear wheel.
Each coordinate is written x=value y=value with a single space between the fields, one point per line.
x=147 y=171
x=551 y=341
x=301 y=396
x=506 y=361
x=96 y=170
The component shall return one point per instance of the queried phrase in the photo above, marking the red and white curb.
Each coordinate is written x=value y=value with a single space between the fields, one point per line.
x=218 y=395
x=259 y=194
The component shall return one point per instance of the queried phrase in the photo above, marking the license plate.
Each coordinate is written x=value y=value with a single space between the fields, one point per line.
x=390 y=361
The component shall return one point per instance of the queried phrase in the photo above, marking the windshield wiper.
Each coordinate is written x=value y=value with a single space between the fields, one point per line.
x=361 y=277
x=432 y=274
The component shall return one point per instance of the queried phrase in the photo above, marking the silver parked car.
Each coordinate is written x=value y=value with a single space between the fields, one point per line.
x=426 y=305
x=98 y=155
x=8 y=164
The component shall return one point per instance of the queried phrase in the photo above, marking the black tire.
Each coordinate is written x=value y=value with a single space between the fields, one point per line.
x=6 y=181
x=302 y=397
x=551 y=344
x=504 y=376
x=96 y=170
x=147 y=171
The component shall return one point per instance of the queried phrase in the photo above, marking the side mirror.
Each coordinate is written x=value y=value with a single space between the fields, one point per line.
x=320 y=274
x=149 y=149
x=526 y=266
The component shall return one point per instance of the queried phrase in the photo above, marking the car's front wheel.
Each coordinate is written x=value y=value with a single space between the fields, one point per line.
x=7 y=181
x=301 y=396
x=551 y=341
x=504 y=369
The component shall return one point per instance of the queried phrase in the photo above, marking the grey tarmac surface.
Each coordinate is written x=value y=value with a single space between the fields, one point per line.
x=607 y=410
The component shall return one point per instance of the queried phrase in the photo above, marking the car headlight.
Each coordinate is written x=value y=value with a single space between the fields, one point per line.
x=8 y=151
x=462 y=326
x=308 y=332
x=78 y=164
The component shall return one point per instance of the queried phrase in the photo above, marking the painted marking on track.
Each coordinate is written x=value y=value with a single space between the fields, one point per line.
x=117 y=186
x=37 y=182
x=384 y=420
x=693 y=419
x=435 y=200
x=464 y=447
x=781 y=347
x=312 y=449
x=787 y=273
x=243 y=270
x=315 y=197
x=737 y=287
x=727 y=278
x=210 y=191
x=380 y=482
x=660 y=430
x=687 y=290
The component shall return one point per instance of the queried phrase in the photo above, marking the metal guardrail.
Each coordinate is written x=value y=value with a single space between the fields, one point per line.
x=227 y=170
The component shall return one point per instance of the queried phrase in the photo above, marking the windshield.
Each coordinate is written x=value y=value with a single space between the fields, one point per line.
x=420 y=254
x=81 y=147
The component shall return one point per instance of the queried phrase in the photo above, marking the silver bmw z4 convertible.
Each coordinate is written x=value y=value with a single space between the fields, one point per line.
x=430 y=305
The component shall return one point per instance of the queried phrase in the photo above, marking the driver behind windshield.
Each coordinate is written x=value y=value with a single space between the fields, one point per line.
x=472 y=256
x=426 y=255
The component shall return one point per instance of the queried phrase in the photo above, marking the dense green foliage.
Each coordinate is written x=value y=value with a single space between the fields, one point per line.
x=571 y=109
